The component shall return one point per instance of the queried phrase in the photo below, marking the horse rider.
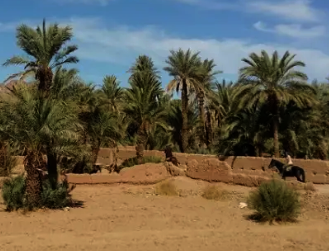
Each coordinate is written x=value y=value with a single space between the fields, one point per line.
x=288 y=162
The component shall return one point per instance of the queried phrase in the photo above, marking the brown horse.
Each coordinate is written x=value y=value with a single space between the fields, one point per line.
x=170 y=157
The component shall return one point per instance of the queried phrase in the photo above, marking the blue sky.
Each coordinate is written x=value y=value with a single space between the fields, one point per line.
x=112 y=33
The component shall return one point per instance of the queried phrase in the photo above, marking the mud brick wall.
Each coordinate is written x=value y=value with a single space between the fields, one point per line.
x=237 y=170
x=317 y=171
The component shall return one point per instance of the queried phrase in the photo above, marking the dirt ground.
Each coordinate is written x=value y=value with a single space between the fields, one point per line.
x=124 y=217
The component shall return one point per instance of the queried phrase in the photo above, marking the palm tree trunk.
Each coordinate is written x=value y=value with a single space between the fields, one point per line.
x=276 y=130
x=32 y=162
x=45 y=77
x=52 y=169
x=209 y=130
x=141 y=141
x=95 y=150
x=201 y=118
x=276 y=138
x=184 y=97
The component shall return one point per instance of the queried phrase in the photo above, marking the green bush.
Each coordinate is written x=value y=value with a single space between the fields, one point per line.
x=7 y=161
x=13 y=193
x=55 y=198
x=274 y=201
x=134 y=161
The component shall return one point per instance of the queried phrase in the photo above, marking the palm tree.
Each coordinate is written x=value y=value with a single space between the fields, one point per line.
x=305 y=130
x=40 y=126
x=46 y=49
x=204 y=86
x=113 y=93
x=223 y=101
x=146 y=107
x=184 y=67
x=65 y=84
x=144 y=64
x=175 y=121
x=274 y=80
x=102 y=127
x=244 y=131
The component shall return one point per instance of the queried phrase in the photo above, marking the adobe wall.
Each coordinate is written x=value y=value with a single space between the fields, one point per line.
x=317 y=171
x=237 y=170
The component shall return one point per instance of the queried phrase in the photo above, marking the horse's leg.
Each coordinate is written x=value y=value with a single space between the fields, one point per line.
x=283 y=176
x=298 y=174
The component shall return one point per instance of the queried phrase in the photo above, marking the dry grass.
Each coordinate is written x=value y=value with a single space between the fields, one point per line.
x=213 y=192
x=167 y=188
x=308 y=187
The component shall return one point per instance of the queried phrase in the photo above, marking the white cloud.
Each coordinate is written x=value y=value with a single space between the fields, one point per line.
x=293 y=30
x=121 y=45
x=298 y=10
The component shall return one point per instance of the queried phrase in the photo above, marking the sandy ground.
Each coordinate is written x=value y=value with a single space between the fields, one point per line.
x=123 y=217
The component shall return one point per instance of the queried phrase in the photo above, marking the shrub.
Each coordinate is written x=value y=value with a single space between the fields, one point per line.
x=13 y=193
x=55 y=198
x=298 y=186
x=134 y=161
x=275 y=201
x=7 y=161
x=309 y=187
x=213 y=192
x=167 y=188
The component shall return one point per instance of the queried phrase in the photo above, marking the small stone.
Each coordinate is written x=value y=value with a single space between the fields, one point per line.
x=242 y=205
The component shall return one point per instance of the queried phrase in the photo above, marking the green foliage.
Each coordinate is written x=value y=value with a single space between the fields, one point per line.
x=55 y=198
x=204 y=151
x=275 y=201
x=134 y=161
x=13 y=193
x=7 y=161
x=112 y=93
x=40 y=55
x=275 y=82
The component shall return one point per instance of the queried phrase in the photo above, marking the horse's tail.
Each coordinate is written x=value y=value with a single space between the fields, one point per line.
x=302 y=173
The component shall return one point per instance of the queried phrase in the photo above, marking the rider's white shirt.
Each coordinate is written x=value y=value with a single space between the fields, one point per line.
x=289 y=160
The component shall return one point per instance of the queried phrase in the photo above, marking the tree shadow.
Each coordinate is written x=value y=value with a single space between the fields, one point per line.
x=257 y=218
x=254 y=217
x=77 y=204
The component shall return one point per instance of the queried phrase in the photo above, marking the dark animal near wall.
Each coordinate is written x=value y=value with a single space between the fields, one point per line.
x=294 y=171
x=170 y=157
x=95 y=169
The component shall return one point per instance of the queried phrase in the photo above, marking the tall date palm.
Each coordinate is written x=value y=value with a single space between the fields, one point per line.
x=276 y=81
x=45 y=49
x=184 y=67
